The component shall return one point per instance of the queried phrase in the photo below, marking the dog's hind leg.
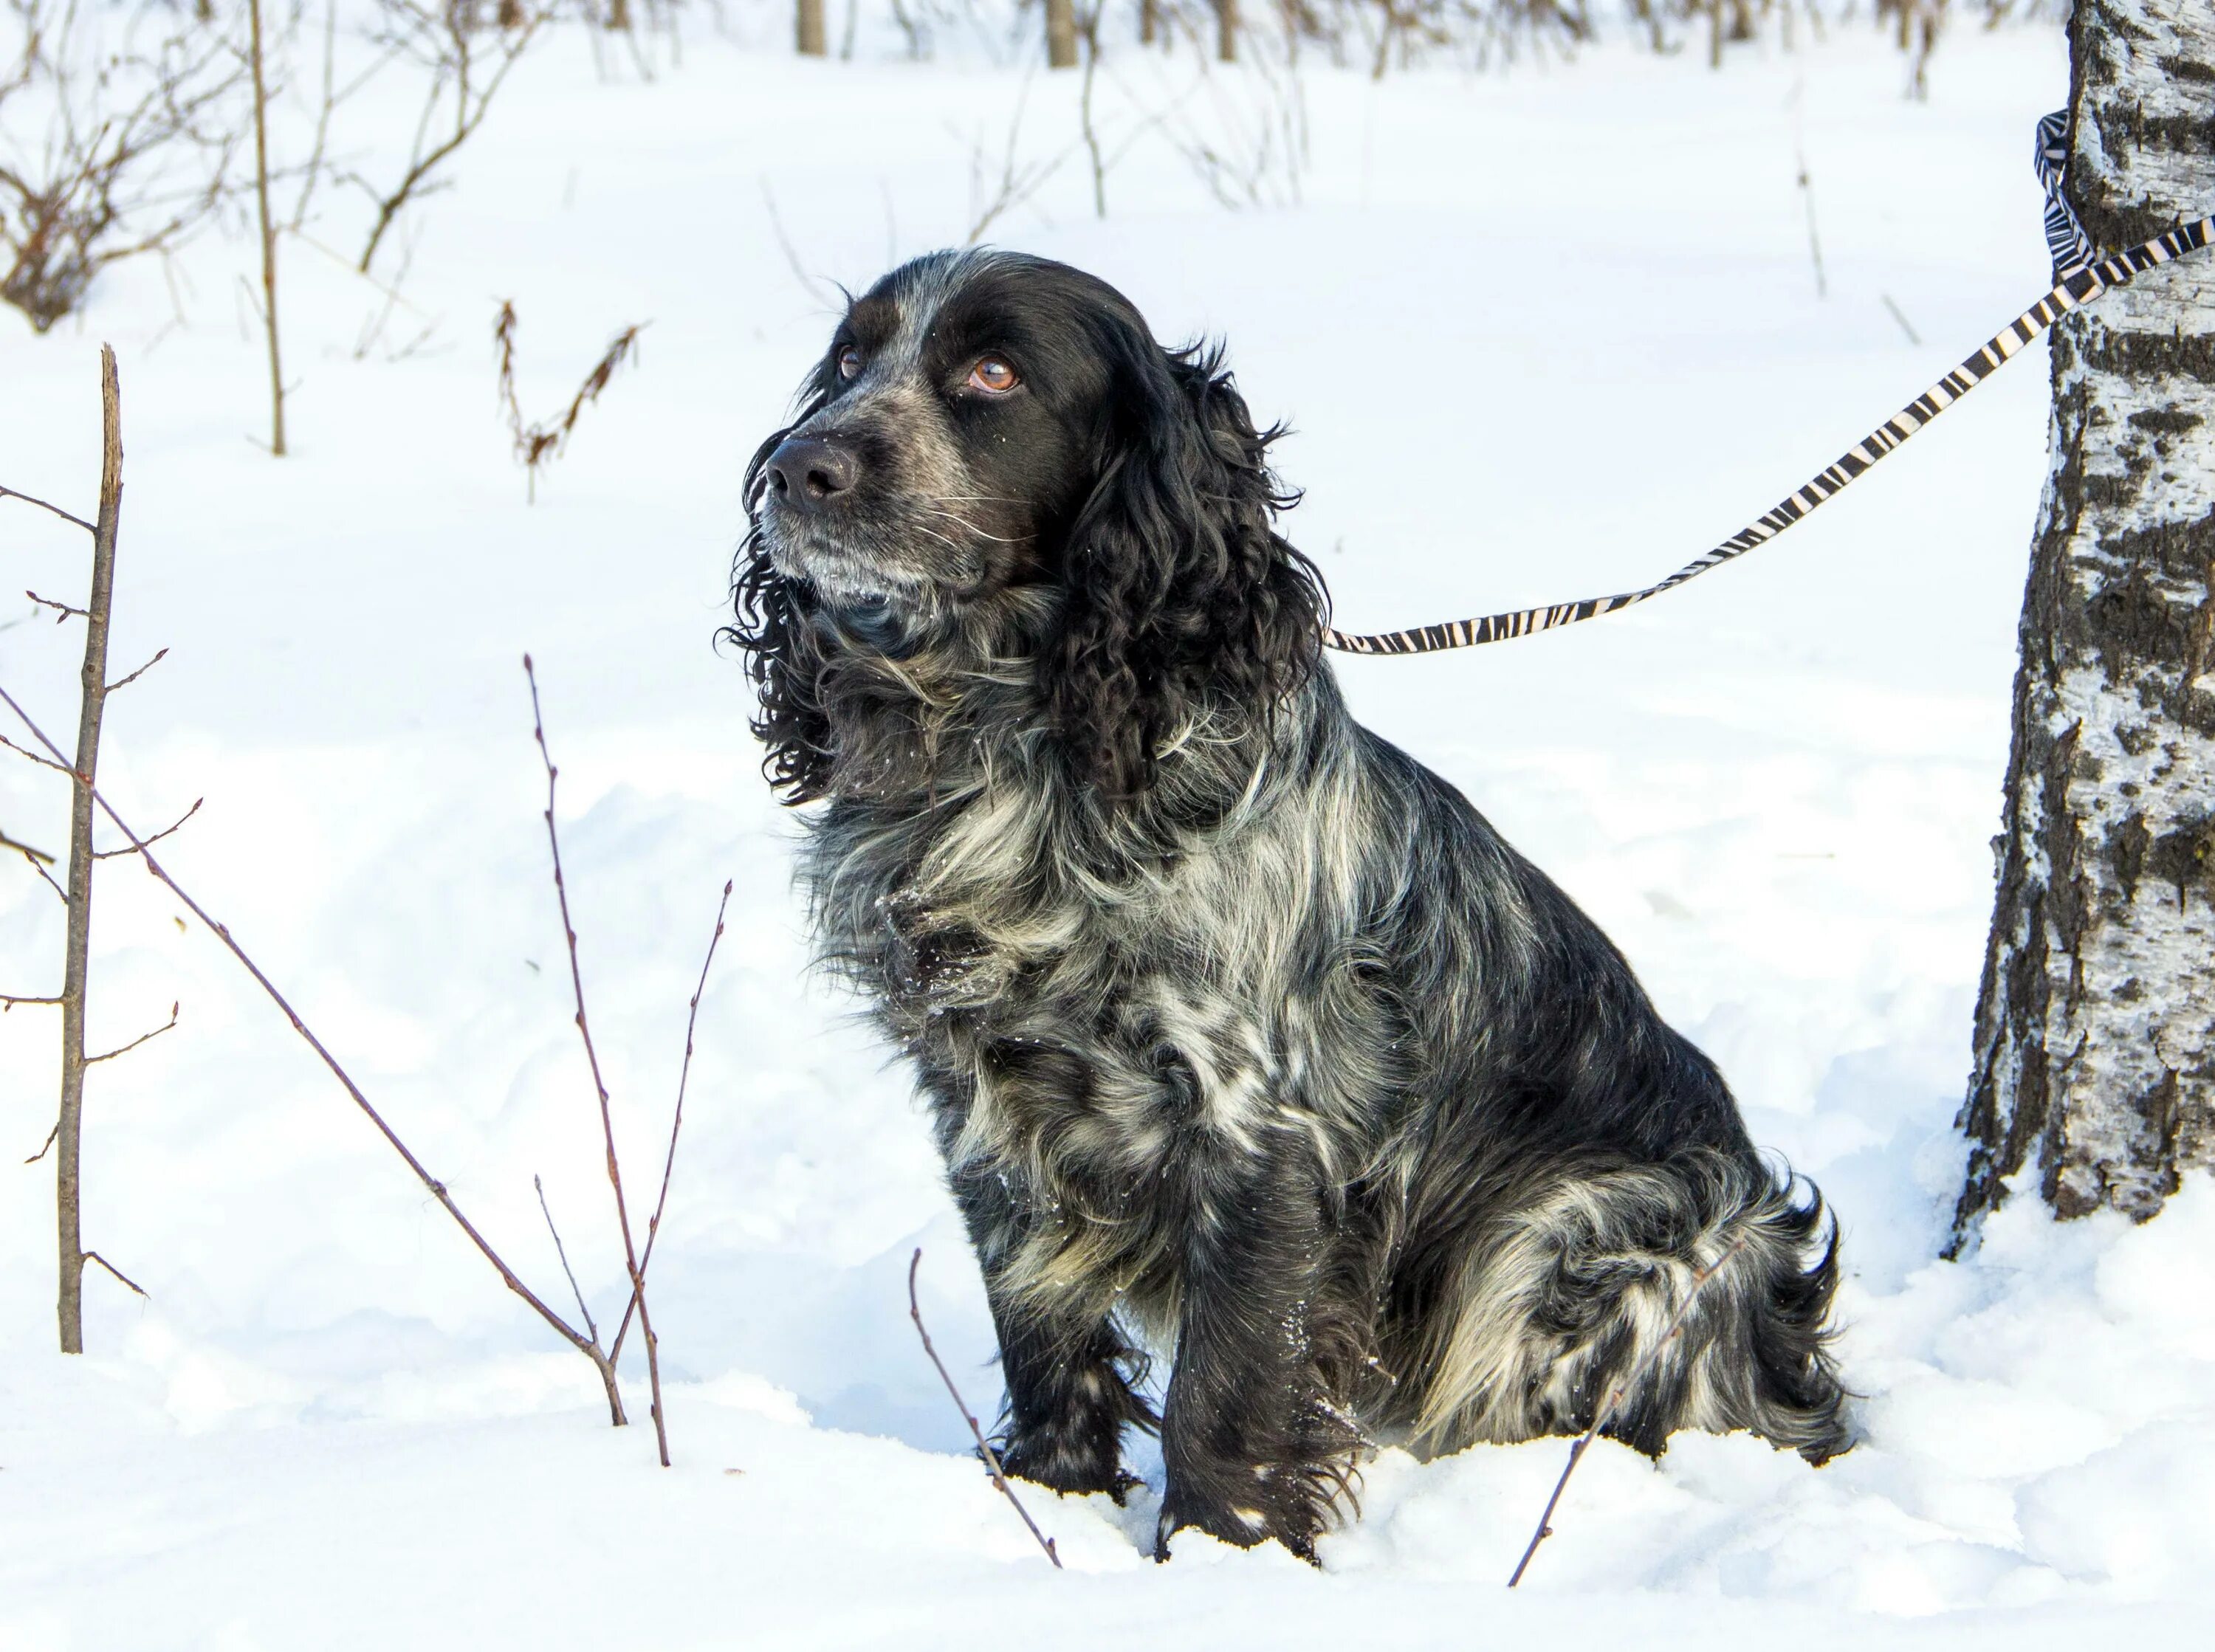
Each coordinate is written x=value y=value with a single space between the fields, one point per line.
x=1565 y=1301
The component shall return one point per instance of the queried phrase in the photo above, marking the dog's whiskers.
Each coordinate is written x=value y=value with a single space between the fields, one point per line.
x=997 y=539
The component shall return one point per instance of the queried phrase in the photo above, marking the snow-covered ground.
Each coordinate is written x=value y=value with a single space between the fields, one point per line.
x=1543 y=334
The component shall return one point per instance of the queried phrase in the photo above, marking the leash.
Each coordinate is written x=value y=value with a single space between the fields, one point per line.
x=2078 y=280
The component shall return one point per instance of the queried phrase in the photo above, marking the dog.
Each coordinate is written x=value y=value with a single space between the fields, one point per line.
x=1247 y=1040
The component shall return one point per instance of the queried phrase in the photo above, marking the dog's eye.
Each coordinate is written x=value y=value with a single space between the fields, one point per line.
x=849 y=362
x=993 y=376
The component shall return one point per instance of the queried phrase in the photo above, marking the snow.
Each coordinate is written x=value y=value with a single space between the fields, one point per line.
x=1543 y=332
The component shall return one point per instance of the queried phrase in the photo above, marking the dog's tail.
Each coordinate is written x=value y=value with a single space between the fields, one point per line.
x=1691 y=1294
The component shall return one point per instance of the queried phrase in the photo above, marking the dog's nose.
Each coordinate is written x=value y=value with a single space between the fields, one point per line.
x=808 y=471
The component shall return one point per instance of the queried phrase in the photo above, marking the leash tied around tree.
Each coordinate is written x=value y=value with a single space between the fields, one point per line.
x=2078 y=279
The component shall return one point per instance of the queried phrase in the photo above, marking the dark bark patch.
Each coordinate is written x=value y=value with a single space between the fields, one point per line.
x=2184 y=855
x=2143 y=356
x=2166 y=421
x=2127 y=849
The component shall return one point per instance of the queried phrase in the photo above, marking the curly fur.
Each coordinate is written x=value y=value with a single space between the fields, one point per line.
x=1247 y=1040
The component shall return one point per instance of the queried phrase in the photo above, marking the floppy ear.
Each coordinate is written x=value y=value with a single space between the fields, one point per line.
x=1178 y=598
x=781 y=656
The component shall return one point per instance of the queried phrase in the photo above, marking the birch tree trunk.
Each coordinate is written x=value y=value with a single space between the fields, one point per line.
x=2095 y=1065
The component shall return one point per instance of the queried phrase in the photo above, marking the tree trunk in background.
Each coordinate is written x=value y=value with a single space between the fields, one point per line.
x=1149 y=21
x=1061 y=34
x=1226 y=30
x=2095 y=1063
x=810 y=32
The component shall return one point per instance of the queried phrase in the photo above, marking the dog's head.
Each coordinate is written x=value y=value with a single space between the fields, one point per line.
x=995 y=446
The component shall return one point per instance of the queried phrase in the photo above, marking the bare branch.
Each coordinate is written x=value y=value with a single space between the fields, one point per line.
x=811 y=284
x=45 y=762
x=34 y=855
x=95 y=1256
x=560 y=1251
x=437 y=1189
x=48 y=1147
x=540 y=445
x=140 y=848
x=125 y=1049
x=984 y=1445
x=600 y=1084
x=452 y=64
x=677 y=1123
x=159 y=656
x=11 y=493
x=62 y=610
x=1622 y=1392
x=8 y=1000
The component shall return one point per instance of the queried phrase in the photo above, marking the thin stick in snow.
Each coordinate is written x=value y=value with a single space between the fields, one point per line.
x=437 y=1189
x=1622 y=1392
x=1814 y=243
x=984 y=1445
x=677 y=1123
x=1900 y=316
x=600 y=1084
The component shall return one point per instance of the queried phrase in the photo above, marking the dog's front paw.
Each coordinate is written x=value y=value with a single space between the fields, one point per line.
x=1246 y=1507
x=1072 y=1467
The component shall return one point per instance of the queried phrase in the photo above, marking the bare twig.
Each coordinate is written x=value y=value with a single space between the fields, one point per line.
x=95 y=1256
x=1900 y=316
x=600 y=1084
x=447 y=35
x=1088 y=26
x=677 y=1123
x=160 y=655
x=984 y=1445
x=11 y=493
x=268 y=229
x=562 y=1251
x=43 y=762
x=1621 y=1391
x=62 y=610
x=540 y=445
x=125 y=1049
x=8 y=1000
x=34 y=856
x=436 y=1187
x=113 y=854
x=1017 y=183
x=1815 y=242
x=814 y=286
x=46 y=1146
x=92 y=701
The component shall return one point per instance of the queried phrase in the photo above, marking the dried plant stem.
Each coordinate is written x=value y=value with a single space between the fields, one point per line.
x=11 y=493
x=676 y=1123
x=992 y=1457
x=436 y=1187
x=128 y=1282
x=269 y=232
x=600 y=1084
x=91 y=703
x=1620 y=1392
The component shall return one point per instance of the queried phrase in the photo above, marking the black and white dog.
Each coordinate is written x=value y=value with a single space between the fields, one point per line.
x=1247 y=1040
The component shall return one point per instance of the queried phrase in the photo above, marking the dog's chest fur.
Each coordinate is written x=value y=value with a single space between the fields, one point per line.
x=1104 y=1014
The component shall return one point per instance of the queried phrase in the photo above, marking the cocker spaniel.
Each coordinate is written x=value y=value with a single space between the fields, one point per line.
x=1247 y=1041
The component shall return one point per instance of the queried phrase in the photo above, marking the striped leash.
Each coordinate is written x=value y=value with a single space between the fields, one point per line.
x=2078 y=281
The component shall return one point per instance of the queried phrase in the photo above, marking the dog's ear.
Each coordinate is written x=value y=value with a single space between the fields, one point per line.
x=782 y=655
x=1179 y=599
